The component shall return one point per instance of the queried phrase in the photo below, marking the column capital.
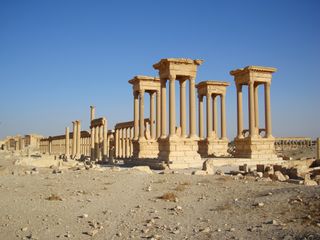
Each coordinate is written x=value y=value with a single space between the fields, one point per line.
x=141 y=92
x=172 y=77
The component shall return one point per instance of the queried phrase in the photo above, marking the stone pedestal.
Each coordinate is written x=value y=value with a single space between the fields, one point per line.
x=179 y=152
x=213 y=147
x=143 y=148
x=255 y=148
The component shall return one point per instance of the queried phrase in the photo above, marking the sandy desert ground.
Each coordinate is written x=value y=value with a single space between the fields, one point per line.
x=123 y=203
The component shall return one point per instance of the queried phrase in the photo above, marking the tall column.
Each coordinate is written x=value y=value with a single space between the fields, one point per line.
x=192 y=111
x=172 y=106
x=116 y=143
x=92 y=112
x=123 y=143
x=152 y=94
x=267 y=110
x=158 y=110
x=251 y=110
x=66 y=150
x=105 y=140
x=256 y=108
x=215 y=115
x=183 y=113
x=50 y=147
x=239 y=111
x=100 y=142
x=92 y=138
x=209 y=113
x=200 y=116
x=136 y=115
x=127 y=143
x=78 y=153
x=141 y=117
x=163 y=82
x=223 y=117
x=74 y=138
x=96 y=143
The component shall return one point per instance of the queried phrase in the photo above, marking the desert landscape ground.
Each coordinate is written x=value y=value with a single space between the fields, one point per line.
x=115 y=202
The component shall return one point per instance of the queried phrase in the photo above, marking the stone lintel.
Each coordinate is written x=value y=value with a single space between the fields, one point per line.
x=181 y=68
x=146 y=83
x=98 y=122
x=129 y=124
x=212 y=87
x=255 y=74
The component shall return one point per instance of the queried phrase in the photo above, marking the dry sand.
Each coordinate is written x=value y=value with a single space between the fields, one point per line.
x=121 y=203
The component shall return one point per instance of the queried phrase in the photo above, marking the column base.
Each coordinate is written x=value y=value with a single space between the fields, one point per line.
x=213 y=147
x=255 y=148
x=179 y=153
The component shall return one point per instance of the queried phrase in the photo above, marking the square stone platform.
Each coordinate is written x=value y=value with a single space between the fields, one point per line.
x=255 y=148
x=144 y=148
x=179 y=153
x=213 y=147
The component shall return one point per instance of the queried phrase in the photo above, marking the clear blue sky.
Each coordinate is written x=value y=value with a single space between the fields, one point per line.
x=59 y=57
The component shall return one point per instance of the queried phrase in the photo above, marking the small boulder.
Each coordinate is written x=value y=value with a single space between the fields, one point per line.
x=208 y=166
x=145 y=169
x=278 y=176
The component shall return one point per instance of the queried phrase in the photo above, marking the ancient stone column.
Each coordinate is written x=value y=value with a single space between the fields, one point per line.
x=158 y=111
x=192 y=111
x=183 y=123
x=100 y=142
x=123 y=143
x=256 y=108
x=251 y=110
x=96 y=143
x=74 y=138
x=66 y=153
x=105 y=140
x=50 y=147
x=136 y=115
x=141 y=117
x=239 y=111
x=163 y=108
x=92 y=113
x=215 y=115
x=152 y=118
x=223 y=117
x=172 y=106
x=318 y=148
x=267 y=110
x=200 y=116
x=116 y=143
x=92 y=138
x=78 y=153
x=209 y=116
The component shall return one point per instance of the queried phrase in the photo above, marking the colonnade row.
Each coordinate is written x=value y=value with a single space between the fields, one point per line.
x=57 y=145
x=123 y=141
x=99 y=137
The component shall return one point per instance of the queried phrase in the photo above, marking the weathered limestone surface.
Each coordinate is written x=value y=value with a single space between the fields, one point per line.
x=254 y=146
x=144 y=143
x=213 y=145
x=178 y=151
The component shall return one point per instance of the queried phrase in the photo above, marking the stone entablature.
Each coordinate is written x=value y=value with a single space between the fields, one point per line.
x=213 y=144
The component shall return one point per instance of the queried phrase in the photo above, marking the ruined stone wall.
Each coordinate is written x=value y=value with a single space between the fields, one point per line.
x=292 y=143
